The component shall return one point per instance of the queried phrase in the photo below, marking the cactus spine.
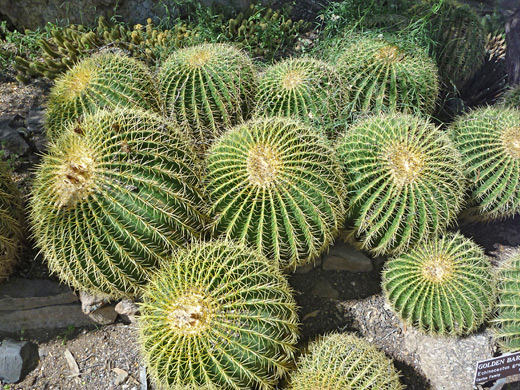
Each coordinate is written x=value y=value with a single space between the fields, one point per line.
x=275 y=184
x=112 y=197
x=218 y=315
x=444 y=286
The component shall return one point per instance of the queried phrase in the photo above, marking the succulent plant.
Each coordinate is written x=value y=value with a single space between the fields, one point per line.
x=218 y=315
x=444 y=286
x=101 y=81
x=208 y=88
x=11 y=223
x=387 y=74
x=506 y=324
x=275 y=183
x=405 y=181
x=114 y=194
x=511 y=97
x=344 y=361
x=306 y=88
x=489 y=141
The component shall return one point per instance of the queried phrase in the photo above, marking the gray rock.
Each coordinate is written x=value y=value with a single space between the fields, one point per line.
x=11 y=139
x=17 y=359
x=128 y=310
x=90 y=302
x=343 y=257
x=35 y=120
x=324 y=289
x=105 y=315
x=303 y=269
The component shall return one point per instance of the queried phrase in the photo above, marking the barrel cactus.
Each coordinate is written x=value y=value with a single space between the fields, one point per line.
x=387 y=74
x=444 y=286
x=11 y=223
x=405 y=181
x=511 y=97
x=307 y=88
x=218 y=316
x=489 y=142
x=112 y=197
x=507 y=322
x=344 y=361
x=276 y=184
x=105 y=80
x=208 y=88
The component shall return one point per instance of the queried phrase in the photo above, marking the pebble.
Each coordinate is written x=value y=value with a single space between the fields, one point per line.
x=17 y=359
x=128 y=310
x=324 y=289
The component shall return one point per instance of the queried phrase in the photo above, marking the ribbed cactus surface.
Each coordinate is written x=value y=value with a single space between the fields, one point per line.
x=276 y=184
x=101 y=81
x=344 y=361
x=306 y=88
x=404 y=179
x=489 y=142
x=208 y=88
x=444 y=286
x=11 y=223
x=386 y=74
x=112 y=197
x=218 y=316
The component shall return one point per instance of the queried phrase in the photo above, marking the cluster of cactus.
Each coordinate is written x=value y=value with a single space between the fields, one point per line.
x=208 y=88
x=71 y=44
x=444 y=286
x=489 y=142
x=344 y=361
x=387 y=74
x=306 y=88
x=404 y=179
x=11 y=223
x=101 y=81
x=218 y=315
x=114 y=194
x=275 y=184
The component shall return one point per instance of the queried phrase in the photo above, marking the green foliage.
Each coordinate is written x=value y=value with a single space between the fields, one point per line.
x=444 y=286
x=489 y=142
x=387 y=74
x=405 y=181
x=306 y=88
x=218 y=315
x=11 y=223
x=208 y=88
x=104 y=80
x=506 y=324
x=275 y=184
x=114 y=194
x=344 y=361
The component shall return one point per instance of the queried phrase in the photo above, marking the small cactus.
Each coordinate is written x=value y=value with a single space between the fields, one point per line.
x=11 y=223
x=113 y=195
x=276 y=184
x=344 y=361
x=104 y=80
x=208 y=88
x=387 y=74
x=307 y=88
x=444 y=286
x=506 y=324
x=218 y=315
x=405 y=181
x=489 y=142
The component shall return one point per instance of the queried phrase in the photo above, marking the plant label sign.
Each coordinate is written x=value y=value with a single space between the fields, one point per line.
x=496 y=368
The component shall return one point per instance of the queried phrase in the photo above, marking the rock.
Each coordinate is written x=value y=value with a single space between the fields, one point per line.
x=90 y=302
x=11 y=140
x=324 y=290
x=35 y=120
x=17 y=359
x=308 y=267
x=104 y=316
x=128 y=310
x=343 y=257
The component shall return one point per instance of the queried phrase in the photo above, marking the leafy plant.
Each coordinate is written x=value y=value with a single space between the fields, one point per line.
x=218 y=315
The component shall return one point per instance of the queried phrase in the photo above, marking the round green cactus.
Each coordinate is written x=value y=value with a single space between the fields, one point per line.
x=444 y=286
x=507 y=322
x=344 y=361
x=405 y=181
x=219 y=315
x=112 y=197
x=208 y=88
x=489 y=142
x=104 y=80
x=276 y=184
x=511 y=97
x=387 y=74
x=11 y=223
x=306 y=88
